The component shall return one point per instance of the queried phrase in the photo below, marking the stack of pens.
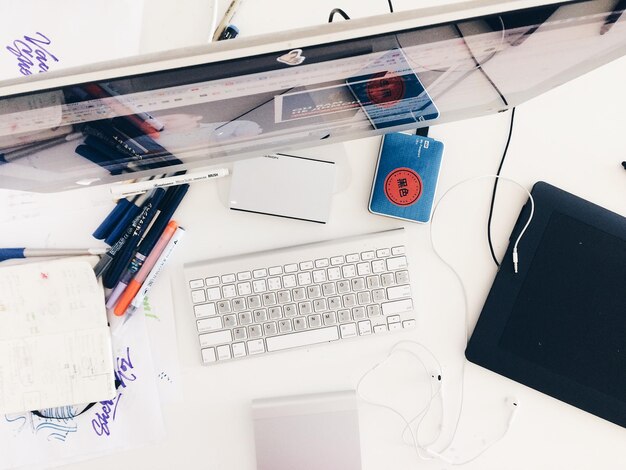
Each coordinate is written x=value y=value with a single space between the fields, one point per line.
x=142 y=235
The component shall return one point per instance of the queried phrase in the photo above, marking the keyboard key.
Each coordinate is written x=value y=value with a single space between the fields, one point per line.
x=337 y=260
x=349 y=300
x=274 y=283
x=244 y=288
x=319 y=276
x=239 y=349
x=223 y=352
x=259 y=286
x=334 y=303
x=304 y=279
x=284 y=326
x=395 y=326
x=373 y=310
x=224 y=306
x=396 y=263
x=208 y=355
x=254 y=331
x=353 y=258
x=239 y=304
x=275 y=313
x=314 y=292
x=269 y=299
x=358 y=313
x=240 y=333
x=275 y=270
x=343 y=287
x=319 y=305
x=365 y=327
x=364 y=298
x=299 y=323
x=367 y=255
x=373 y=282
x=379 y=266
x=334 y=273
x=397 y=250
x=230 y=321
x=299 y=293
x=196 y=284
x=215 y=338
x=212 y=281
x=259 y=273
x=402 y=277
x=270 y=328
x=204 y=310
x=289 y=281
x=322 y=263
x=393 y=319
x=256 y=346
x=383 y=253
x=315 y=321
x=348 y=330
x=363 y=269
x=399 y=292
x=290 y=310
x=214 y=293
x=387 y=279
x=357 y=283
x=284 y=296
x=344 y=316
x=226 y=278
x=328 y=289
x=229 y=291
x=399 y=306
x=379 y=295
x=259 y=315
x=305 y=265
x=254 y=301
x=245 y=318
x=349 y=270
x=302 y=338
x=291 y=268
x=198 y=296
x=409 y=324
x=380 y=328
x=305 y=308
x=330 y=318
x=244 y=276
x=209 y=324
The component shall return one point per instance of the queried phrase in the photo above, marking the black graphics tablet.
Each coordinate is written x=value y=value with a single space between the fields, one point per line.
x=559 y=325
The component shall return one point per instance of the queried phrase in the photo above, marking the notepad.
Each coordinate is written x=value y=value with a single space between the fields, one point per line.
x=55 y=344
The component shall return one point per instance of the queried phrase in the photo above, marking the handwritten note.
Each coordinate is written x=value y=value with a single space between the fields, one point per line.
x=132 y=418
x=32 y=52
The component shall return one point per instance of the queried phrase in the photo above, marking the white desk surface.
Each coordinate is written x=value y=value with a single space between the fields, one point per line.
x=571 y=137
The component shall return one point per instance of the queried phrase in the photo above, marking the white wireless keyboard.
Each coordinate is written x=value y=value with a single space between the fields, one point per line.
x=300 y=296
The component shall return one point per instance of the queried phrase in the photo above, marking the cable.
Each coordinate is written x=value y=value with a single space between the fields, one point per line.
x=495 y=188
x=334 y=11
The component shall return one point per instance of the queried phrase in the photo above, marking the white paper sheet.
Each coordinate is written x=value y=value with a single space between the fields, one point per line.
x=40 y=35
x=131 y=419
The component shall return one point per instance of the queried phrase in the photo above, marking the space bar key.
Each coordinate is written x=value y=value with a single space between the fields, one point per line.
x=302 y=338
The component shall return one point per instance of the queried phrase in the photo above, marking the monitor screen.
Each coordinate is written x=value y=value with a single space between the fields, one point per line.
x=260 y=95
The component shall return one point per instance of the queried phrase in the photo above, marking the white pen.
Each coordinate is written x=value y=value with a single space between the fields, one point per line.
x=156 y=269
x=131 y=189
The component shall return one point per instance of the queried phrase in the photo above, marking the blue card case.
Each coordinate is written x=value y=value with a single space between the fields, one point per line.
x=406 y=177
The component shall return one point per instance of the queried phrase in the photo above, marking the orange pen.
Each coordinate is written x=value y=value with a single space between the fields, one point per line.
x=135 y=284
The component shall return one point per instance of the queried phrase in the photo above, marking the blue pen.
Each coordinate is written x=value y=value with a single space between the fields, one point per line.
x=113 y=274
x=16 y=253
x=133 y=210
x=111 y=220
x=170 y=203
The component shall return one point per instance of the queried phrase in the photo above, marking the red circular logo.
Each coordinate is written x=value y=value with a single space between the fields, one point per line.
x=403 y=186
x=385 y=89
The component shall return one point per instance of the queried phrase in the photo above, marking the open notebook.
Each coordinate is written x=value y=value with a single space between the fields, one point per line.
x=55 y=344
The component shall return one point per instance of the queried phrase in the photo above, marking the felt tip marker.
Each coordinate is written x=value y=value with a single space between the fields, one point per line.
x=132 y=189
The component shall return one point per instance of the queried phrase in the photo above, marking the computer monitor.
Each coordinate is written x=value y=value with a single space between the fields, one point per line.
x=206 y=105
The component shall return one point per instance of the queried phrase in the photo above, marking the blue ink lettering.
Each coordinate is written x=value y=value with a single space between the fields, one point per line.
x=30 y=52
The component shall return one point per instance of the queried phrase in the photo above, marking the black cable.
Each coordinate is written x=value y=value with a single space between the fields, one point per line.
x=495 y=188
x=335 y=11
x=390 y=6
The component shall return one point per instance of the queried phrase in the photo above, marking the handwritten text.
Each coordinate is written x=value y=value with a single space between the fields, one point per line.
x=31 y=53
